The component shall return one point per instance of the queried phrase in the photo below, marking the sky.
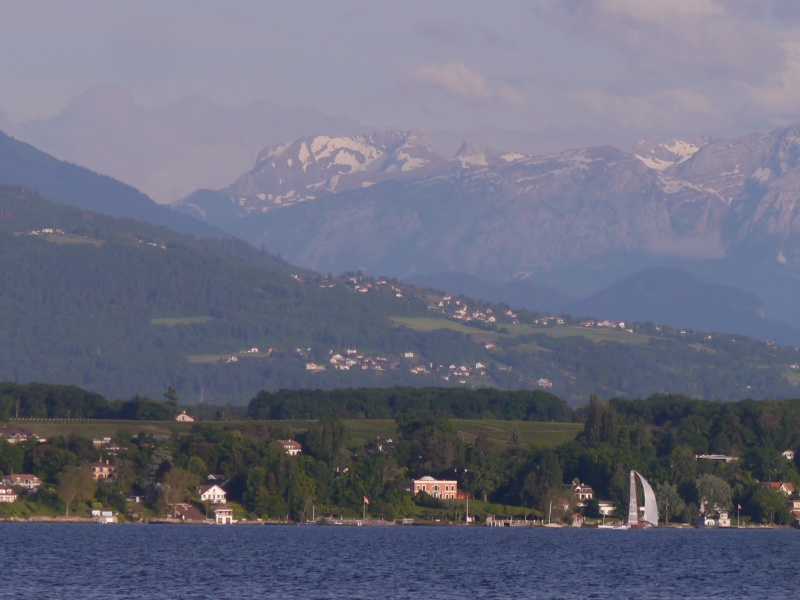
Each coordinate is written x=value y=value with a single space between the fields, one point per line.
x=547 y=73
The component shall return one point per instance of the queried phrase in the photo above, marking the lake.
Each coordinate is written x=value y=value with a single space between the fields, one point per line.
x=242 y=562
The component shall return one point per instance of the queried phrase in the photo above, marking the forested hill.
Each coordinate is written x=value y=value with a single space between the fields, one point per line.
x=121 y=308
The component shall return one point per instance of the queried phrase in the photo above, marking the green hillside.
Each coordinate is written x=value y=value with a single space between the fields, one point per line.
x=121 y=307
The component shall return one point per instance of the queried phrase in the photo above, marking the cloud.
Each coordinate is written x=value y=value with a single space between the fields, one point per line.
x=659 y=109
x=461 y=35
x=457 y=79
x=679 y=39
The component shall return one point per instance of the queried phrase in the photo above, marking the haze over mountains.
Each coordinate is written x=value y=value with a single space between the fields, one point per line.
x=549 y=232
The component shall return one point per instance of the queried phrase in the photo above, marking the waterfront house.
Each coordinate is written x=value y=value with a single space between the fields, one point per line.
x=213 y=493
x=223 y=516
x=23 y=480
x=446 y=489
x=577 y=520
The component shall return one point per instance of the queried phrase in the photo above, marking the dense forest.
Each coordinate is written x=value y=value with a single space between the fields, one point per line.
x=389 y=403
x=123 y=308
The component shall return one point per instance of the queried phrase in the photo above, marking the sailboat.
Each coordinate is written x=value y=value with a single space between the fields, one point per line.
x=650 y=518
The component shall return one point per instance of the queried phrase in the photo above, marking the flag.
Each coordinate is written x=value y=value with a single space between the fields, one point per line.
x=739 y=506
x=366 y=500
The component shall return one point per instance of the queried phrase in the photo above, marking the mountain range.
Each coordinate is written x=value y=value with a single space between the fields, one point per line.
x=724 y=211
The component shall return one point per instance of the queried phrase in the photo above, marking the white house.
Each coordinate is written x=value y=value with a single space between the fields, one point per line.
x=7 y=494
x=213 y=493
x=184 y=417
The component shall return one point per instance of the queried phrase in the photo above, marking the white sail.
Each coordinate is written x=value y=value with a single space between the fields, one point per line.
x=650 y=506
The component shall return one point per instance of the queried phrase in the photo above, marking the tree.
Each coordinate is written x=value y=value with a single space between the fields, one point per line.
x=714 y=493
x=669 y=500
x=602 y=423
x=76 y=484
x=175 y=486
x=171 y=399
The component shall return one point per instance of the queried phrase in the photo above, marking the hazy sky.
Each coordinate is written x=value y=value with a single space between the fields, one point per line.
x=635 y=67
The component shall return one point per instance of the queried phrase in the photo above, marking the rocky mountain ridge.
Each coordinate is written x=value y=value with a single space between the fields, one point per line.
x=395 y=207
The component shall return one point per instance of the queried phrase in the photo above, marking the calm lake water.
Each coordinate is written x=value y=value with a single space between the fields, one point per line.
x=242 y=562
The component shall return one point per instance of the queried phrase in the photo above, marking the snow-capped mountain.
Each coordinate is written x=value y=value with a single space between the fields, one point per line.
x=387 y=204
x=317 y=166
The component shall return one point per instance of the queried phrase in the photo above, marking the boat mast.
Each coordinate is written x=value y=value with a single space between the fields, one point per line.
x=633 y=507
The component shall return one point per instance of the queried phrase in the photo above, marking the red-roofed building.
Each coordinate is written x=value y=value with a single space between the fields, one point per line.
x=24 y=480
x=785 y=487
x=292 y=448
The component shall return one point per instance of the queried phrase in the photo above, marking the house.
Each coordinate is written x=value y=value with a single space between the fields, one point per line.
x=794 y=507
x=217 y=478
x=577 y=520
x=446 y=489
x=213 y=493
x=223 y=516
x=24 y=480
x=723 y=519
x=788 y=454
x=7 y=494
x=582 y=491
x=784 y=487
x=184 y=417
x=292 y=448
x=103 y=470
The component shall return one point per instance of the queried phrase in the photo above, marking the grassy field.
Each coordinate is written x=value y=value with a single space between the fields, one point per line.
x=172 y=321
x=518 y=330
x=360 y=430
x=72 y=239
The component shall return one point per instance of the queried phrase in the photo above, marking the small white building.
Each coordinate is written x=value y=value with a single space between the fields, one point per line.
x=223 y=516
x=104 y=516
x=184 y=417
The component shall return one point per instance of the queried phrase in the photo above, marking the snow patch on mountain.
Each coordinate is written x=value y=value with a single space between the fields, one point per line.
x=662 y=156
